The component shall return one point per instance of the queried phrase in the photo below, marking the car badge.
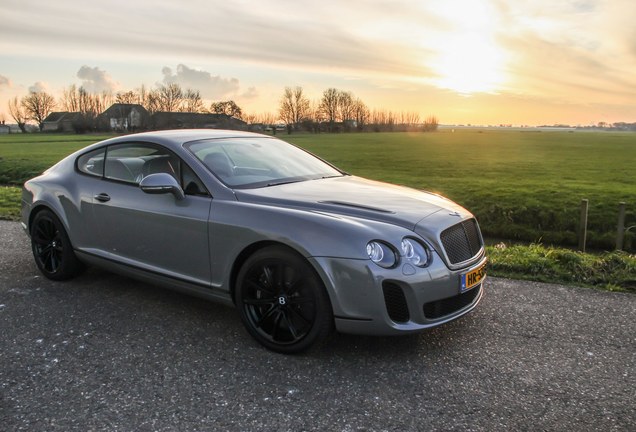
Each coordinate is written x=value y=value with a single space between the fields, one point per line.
x=455 y=214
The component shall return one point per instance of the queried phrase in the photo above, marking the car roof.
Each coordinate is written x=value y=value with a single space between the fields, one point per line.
x=175 y=138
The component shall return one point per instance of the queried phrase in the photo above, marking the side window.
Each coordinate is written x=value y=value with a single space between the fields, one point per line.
x=134 y=161
x=92 y=163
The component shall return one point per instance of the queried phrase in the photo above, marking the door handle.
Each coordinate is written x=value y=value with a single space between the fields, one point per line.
x=102 y=197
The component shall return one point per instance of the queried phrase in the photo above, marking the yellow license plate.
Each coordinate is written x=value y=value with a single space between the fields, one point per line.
x=473 y=278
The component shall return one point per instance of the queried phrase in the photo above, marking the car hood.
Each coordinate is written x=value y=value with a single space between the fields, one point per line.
x=354 y=196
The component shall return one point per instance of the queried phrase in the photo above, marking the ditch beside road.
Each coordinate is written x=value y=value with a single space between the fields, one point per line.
x=103 y=352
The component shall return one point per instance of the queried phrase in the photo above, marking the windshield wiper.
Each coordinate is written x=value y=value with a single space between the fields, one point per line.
x=283 y=182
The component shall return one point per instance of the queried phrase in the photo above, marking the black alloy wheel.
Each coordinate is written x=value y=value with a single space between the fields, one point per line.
x=282 y=301
x=52 y=248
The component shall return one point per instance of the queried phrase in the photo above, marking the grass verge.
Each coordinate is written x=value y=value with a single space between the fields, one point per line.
x=9 y=202
x=610 y=271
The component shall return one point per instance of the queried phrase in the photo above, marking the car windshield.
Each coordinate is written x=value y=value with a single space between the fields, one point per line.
x=245 y=163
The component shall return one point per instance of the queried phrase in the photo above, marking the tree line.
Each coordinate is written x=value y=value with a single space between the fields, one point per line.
x=335 y=111
x=341 y=111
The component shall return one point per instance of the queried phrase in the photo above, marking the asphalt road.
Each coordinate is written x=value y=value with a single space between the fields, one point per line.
x=103 y=352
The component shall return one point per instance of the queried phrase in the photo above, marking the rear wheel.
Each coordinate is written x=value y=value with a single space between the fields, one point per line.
x=52 y=248
x=282 y=302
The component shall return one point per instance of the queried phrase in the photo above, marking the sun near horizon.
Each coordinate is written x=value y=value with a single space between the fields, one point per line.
x=464 y=61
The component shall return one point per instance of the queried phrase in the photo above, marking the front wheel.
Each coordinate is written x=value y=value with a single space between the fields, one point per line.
x=282 y=302
x=52 y=248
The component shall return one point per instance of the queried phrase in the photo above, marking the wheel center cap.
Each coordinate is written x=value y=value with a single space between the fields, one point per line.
x=282 y=300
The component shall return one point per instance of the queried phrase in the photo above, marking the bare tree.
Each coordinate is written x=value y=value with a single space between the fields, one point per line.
x=316 y=116
x=170 y=97
x=38 y=105
x=431 y=124
x=346 y=107
x=70 y=99
x=103 y=100
x=192 y=102
x=229 y=108
x=18 y=113
x=147 y=99
x=360 y=113
x=329 y=106
x=383 y=121
x=128 y=98
x=294 y=107
x=91 y=105
x=268 y=118
x=151 y=100
x=250 y=118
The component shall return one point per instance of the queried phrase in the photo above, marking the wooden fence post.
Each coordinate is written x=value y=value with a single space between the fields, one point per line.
x=620 y=232
x=583 y=225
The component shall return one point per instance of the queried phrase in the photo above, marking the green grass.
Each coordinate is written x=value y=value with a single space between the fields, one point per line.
x=524 y=186
x=9 y=202
x=521 y=185
x=23 y=156
x=613 y=271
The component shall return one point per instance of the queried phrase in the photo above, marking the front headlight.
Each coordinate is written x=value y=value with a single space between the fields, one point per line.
x=381 y=254
x=415 y=252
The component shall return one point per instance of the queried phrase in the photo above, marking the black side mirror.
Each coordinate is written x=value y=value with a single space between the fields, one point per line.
x=161 y=183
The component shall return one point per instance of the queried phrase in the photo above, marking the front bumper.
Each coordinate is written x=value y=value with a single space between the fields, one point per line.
x=370 y=300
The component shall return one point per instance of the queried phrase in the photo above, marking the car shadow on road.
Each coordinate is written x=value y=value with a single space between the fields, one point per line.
x=130 y=302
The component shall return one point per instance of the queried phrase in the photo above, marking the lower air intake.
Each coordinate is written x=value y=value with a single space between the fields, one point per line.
x=447 y=306
x=395 y=302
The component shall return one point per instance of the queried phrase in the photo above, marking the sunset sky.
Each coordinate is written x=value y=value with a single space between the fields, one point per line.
x=465 y=61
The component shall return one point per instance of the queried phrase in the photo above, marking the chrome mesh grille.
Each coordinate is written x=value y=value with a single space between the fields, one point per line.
x=462 y=241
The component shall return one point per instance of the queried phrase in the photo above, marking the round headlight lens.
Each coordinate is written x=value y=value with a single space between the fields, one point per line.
x=414 y=252
x=381 y=254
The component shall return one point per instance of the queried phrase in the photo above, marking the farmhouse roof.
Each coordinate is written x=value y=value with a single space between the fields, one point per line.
x=120 y=110
x=59 y=116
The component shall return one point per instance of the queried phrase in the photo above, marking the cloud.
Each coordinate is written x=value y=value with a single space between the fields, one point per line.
x=95 y=80
x=5 y=82
x=211 y=87
x=577 y=51
x=250 y=93
x=39 y=87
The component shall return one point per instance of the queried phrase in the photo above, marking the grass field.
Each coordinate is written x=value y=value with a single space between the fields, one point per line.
x=23 y=156
x=522 y=185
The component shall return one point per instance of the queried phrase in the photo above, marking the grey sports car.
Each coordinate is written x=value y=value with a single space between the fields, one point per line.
x=298 y=246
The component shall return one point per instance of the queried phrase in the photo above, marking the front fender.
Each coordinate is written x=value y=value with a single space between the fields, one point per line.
x=310 y=233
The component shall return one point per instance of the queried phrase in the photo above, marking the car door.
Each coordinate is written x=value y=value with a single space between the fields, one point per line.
x=156 y=232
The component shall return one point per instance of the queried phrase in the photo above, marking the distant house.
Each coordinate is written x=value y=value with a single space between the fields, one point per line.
x=124 y=118
x=62 y=121
x=185 y=120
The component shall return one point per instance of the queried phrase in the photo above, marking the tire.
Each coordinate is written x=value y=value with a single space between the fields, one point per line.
x=52 y=248
x=282 y=301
